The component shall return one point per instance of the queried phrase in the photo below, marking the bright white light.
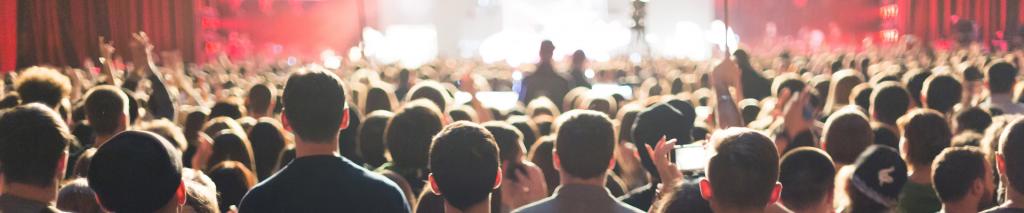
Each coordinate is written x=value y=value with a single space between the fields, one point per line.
x=717 y=35
x=589 y=73
x=410 y=45
x=330 y=59
x=355 y=54
x=292 y=61
x=688 y=42
x=517 y=75
x=515 y=47
x=635 y=58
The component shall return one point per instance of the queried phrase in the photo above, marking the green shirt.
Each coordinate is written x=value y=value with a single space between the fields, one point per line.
x=916 y=198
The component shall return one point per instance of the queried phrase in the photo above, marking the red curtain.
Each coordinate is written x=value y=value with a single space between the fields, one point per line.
x=933 y=19
x=65 y=32
x=8 y=40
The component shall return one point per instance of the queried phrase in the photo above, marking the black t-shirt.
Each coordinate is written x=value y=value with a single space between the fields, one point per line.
x=324 y=184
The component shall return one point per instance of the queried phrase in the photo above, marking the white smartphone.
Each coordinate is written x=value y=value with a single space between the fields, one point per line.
x=690 y=157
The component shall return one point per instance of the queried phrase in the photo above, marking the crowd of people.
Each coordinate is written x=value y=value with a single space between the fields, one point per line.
x=898 y=129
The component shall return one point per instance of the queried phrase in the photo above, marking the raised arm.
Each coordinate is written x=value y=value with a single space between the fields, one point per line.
x=726 y=74
x=160 y=103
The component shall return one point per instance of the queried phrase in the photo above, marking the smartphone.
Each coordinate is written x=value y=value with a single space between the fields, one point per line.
x=690 y=157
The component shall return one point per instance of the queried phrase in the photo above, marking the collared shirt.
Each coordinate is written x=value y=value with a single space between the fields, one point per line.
x=579 y=198
x=1004 y=102
x=10 y=203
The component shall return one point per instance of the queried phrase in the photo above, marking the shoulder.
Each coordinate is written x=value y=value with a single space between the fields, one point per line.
x=543 y=205
x=626 y=208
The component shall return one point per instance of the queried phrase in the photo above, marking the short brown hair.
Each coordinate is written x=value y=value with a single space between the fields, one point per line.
x=743 y=168
x=1011 y=148
x=409 y=132
x=314 y=103
x=44 y=85
x=32 y=139
x=105 y=106
x=955 y=170
x=464 y=161
x=585 y=143
x=261 y=98
x=846 y=134
x=925 y=133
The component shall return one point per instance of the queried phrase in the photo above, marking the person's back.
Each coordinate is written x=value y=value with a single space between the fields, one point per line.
x=1000 y=80
x=583 y=153
x=319 y=179
x=545 y=81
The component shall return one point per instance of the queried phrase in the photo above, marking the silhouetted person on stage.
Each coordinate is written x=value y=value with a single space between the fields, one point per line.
x=544 y=81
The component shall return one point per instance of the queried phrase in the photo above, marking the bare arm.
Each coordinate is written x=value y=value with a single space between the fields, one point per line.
x=727 y=114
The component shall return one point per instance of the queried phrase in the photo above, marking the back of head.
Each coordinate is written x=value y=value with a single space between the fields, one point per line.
x=808 y=175
x=885 y=135
x=408 y=133
x=661 y=120
x=233 y=180
x=379 y=98
x=216 y=126
x=942 y=92
x=314 y=101
x=955 y=170
x=627 y=117
x=371 y=137
x=105 y=107
x=430 y=90
x=877 y=179
x=847 y=133
x=194 y=122
x=168 y=130
x=889 y=101
x=230 y=107
x=542 y=106
x=973 y=119
x=604 y=104
x=464 y=164
x=527 y=127
x=268 y=143
x=135 y=172
x=743 y=168
x=841 y=85
x=44 y=85
x=585 y=143
x=509 y=140
x=201 y=198
x=32 y=140
x=1001 y=77
x=260 y=100
x=540 y=154
x=925 y=134
x=1011 y=149
x=861 y=95
x=915 y=83
x=231 y=147
x=76 y=196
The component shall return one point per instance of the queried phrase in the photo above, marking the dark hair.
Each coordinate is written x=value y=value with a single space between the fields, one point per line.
x=942 y=92
x=462 y=113
x=105 y=106
x=925 y=133
x=971 y=139
x=233 y=180
x=510 y=146
x=230 y=107
x=846 y=134
x=261 y=98
x=744 y=168
x=464 y=163
x=915 y=82
x=10 y=100
x=954 y=171
x=889 y=101
x=32 y=139
x=684 y=197
x=861 y=95
x=135 y=172
x=603 y=104
x=202 y=199
x=314 y=103
x=585 y=143
x=430 y=90
x=76 y=196
x=971 y=119
x=1012 y=152
x=44 y=85
x=657 y=121
x=885 y=135
x=268 y=143
x=194 y=122
x=527 y=127
x=408 y=133
x=348 y=138
x=229 y=146
x=1001 y=77
x=808 y=175
x=626 y=118
x=540 y=154
x=790 y=81
x=371 y=137
x=82 y=163
x=379 y=98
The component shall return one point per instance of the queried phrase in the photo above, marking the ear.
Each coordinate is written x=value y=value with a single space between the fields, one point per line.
x=433 y=184
x=776 y=193
x=62 y=165
x=124 y=122
x=556 y=160
x=180 y=194
x=497 y=179
x=705 y=189
x=344 y=118
x=978 y=187
x=1001 y=163
x=284 y=121
x=611 y=164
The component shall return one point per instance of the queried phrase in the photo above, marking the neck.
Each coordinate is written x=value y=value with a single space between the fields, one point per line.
x=567 y=179
x=481 y=207
x=921 y=174
x=964 y=205
x=30 y=192
x=304 y=148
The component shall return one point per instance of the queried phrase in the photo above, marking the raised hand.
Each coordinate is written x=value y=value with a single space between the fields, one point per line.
x=667 y=170
x=106 y=49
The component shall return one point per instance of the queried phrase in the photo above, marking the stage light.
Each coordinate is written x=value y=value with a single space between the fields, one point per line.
x=589 y=73
x=517 y=75
x=355 y=53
